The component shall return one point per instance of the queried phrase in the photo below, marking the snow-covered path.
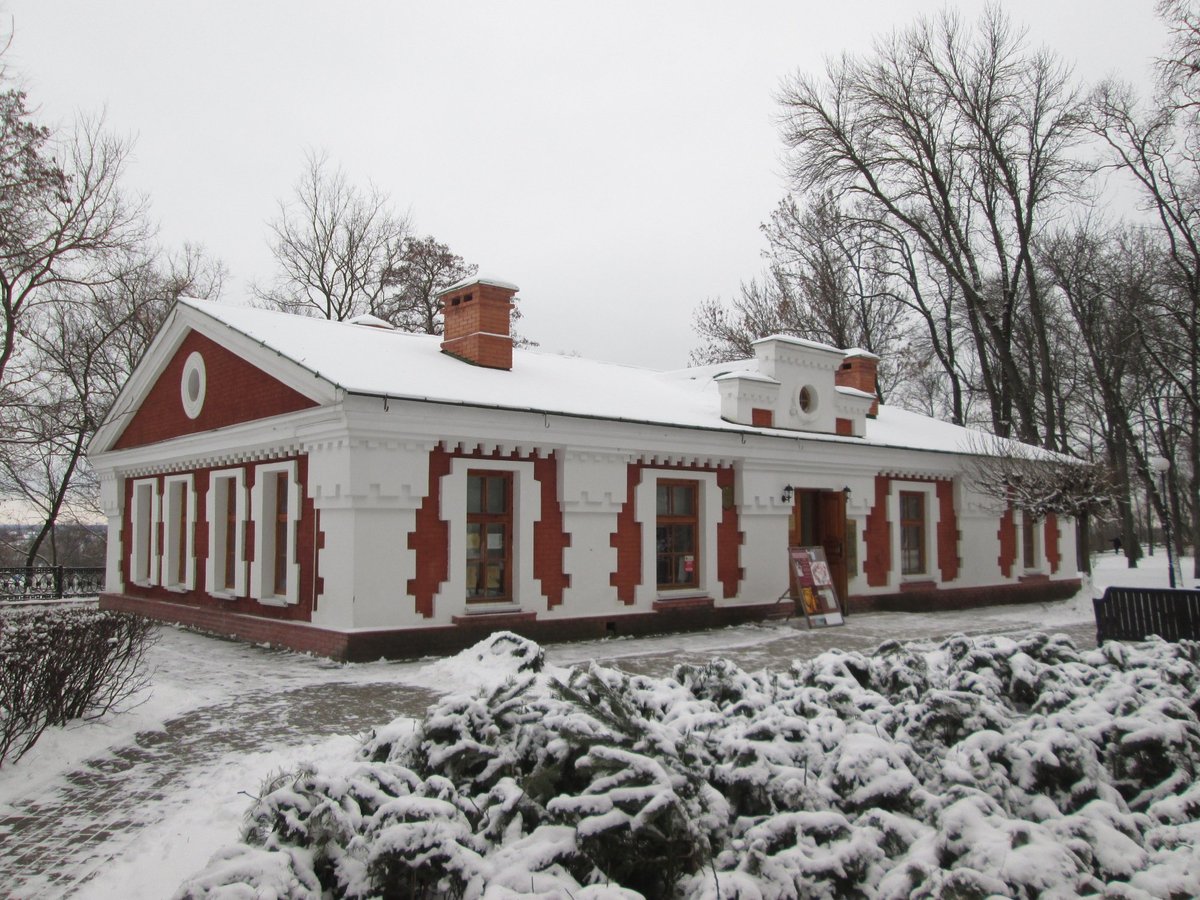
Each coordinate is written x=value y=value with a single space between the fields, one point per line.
x=131 y=805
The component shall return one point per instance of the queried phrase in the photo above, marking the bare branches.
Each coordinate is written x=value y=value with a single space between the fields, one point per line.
x=338 y=248
x=1038 y=482
x=427 y=267
x=960 y=140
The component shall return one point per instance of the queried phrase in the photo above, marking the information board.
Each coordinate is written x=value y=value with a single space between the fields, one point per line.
x=812 y=587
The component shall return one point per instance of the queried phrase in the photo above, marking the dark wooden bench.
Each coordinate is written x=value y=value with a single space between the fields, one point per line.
x=1133 y=614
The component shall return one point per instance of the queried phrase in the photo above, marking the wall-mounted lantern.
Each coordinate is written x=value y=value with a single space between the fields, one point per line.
x=787 y=494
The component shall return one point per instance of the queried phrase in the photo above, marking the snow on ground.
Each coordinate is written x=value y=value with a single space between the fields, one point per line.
x=190 y=798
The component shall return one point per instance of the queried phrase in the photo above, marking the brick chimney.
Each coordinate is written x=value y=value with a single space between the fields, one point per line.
x=476 y=314
x=859 y=370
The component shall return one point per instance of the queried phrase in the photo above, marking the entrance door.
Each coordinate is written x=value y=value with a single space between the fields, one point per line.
x=819 y=520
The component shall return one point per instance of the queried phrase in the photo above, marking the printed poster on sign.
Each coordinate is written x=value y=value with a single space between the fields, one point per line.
x=812 y=587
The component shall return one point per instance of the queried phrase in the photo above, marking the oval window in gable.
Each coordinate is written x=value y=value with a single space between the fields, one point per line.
x=192 y=384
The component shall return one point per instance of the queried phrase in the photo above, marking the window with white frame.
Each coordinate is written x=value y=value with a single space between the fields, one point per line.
x=275 y=573
x=143 y=556
x=678 y=510
x=677 y=532
x=913 y=552
x=913 y=513
x=490 y=507
x=179 y=517
x=226 y=564
x=1030 y=549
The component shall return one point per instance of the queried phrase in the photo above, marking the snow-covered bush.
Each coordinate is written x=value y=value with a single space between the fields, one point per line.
x=60 y=664
x=974 y=768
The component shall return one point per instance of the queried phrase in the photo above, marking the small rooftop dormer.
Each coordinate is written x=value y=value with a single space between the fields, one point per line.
x=477 y=312
x=799 y=385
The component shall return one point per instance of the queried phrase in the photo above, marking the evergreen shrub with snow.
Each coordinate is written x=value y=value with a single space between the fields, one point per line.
x=977 y=768
x=63 y=663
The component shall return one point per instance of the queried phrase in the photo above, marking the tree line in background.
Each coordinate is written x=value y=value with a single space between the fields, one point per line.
x=952 y=208
x=85 y=286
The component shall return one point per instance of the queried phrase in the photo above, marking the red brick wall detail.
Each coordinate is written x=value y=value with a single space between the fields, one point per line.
x=1053 y=554
x=628 y=541
x=549 y=539
x=237 y=391
x=762 y=418
x=947 y=531
x=430 y=538
x=628 y=536
x=877 y=535
x=844 y=427
x=1007 y=534
x=308 y=539
x=729 y=539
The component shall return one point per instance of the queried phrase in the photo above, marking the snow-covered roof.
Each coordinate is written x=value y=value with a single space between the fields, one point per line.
x=396 y=364
x=479 y=279
x=800 y=342
x=748 y=376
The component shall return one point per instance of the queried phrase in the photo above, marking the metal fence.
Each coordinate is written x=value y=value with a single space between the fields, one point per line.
x=1133 y=614
x=50 y=582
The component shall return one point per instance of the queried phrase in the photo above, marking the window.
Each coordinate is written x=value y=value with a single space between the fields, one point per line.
x=192 y=385
x=179 y=514
x=676 y=535
x=144 y=524
x=1029 y=554
x=912 y=533
x=276 y=501
x=226 y=530
x=489 y=536
x=279 y=549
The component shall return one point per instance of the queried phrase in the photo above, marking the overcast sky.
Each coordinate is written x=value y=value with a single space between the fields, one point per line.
x=613 y=159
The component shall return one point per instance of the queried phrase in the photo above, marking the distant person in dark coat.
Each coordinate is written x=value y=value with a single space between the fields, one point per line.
x=1116 y=542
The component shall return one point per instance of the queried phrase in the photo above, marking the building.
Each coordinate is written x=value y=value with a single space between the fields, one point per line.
x=355 y=491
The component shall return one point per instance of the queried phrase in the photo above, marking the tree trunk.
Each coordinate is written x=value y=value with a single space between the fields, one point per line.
x=1083 y=543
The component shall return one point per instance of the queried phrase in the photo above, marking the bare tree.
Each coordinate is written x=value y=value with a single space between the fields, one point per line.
x=826 y=282
x=59 y=224
x=1040 y=483
x=1156 y=147
x=338 y=248
x=427 y=267
x=962 y=140
x=1107 y=279
x=87 y=340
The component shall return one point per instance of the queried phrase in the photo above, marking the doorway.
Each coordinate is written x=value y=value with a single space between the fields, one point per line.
x=819 y=520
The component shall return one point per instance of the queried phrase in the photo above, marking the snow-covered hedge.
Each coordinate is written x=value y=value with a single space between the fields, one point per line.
x=63 y=663
x=970 y=769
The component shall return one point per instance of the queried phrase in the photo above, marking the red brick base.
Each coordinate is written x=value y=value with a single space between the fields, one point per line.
x=359 y=646
x=928 y=598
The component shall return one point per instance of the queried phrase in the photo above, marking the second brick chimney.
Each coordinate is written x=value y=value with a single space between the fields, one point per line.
x=859 y=370
x=476 y=312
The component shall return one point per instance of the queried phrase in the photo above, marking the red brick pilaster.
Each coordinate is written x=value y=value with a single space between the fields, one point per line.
x=729 y=539
x=627 y=539
x=877 y=536
x=1053 y=554
x=1008 y=542
x=549 y=539
x=430 y=538
x=947 y=531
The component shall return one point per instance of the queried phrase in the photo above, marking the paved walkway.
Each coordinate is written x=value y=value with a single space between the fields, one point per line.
x=52 y=844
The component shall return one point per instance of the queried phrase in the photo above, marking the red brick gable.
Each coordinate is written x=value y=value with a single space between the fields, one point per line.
x=237 y=391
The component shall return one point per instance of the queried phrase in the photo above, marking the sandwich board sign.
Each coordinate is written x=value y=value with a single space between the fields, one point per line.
x=811 y=587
